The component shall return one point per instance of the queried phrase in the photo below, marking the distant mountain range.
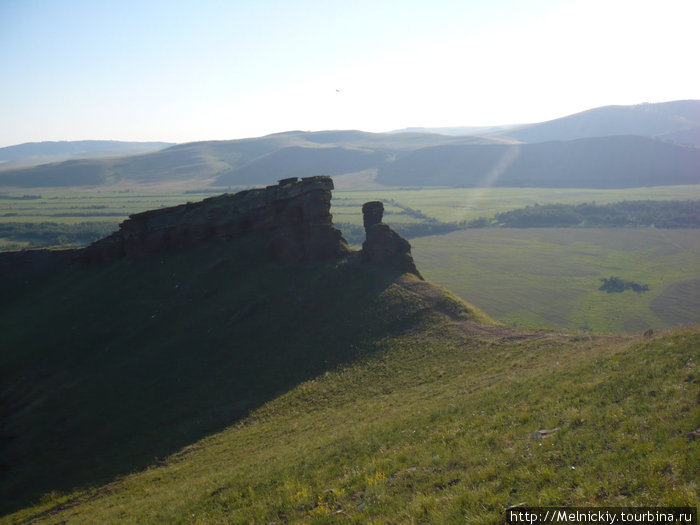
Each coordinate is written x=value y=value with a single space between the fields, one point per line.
x=33 y=153
x=244 y=162
x=624 y=161
x=677 y=121
x=460 y=130
x=613 y=146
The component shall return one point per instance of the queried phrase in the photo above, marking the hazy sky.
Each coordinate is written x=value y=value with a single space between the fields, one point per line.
x=197 y=70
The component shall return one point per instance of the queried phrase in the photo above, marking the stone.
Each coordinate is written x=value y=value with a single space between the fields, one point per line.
x=383 y=246
x=293 y=216
x=372 y=213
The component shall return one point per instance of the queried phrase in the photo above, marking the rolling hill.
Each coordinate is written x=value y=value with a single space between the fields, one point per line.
x=33 y=153
x=460 y=130
x=233 y=361
x=241 y=162
x=297 y=161
x=666 y=120
x=602 y=162
x=617 y=146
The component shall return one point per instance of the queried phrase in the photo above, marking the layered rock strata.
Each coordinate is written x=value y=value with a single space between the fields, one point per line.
x=292 y=216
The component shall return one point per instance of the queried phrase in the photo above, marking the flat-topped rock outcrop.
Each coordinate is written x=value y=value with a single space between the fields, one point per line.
x=293 y=217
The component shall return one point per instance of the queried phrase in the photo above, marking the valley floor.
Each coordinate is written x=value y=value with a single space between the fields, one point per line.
x=551 y=277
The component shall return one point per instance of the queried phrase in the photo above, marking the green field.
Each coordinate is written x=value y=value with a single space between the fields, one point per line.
x=443 y=204
x=550 y=277
x=87 y=205
x=44 y=214
x=466 y=204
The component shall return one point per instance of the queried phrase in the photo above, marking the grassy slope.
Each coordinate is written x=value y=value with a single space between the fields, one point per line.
x=437 y=426
x=106 y=368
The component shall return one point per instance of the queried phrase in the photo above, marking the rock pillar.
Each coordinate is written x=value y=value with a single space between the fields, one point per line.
x=383 y=246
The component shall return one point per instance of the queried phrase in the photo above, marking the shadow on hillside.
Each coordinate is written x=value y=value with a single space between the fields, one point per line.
x=108 y=370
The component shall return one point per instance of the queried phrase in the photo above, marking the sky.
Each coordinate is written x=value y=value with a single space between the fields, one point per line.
x=181 y=71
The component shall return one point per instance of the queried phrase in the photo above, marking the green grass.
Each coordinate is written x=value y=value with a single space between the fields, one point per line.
x=105 y=368
x=216 y=386
x=550 y=277
x=436 y=426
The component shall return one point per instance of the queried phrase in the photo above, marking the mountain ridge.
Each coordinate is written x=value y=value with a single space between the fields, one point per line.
x=619 y=161
x=33 y=153
x=257 y=161
x=652 y=120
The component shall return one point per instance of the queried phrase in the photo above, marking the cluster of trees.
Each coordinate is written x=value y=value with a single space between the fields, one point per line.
x=618 y=285
x=660 y=214
x=19 y=197
x=52 y=234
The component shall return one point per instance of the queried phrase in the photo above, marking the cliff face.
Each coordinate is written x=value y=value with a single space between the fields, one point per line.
x=293 y=217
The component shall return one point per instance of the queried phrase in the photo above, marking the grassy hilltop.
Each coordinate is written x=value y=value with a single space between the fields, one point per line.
x=219 y=385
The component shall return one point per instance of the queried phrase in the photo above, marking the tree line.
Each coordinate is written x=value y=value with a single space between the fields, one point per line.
x=53 y=234
x=659 y=214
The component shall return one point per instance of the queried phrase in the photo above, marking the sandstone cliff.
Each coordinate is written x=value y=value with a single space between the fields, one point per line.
x=293 y=217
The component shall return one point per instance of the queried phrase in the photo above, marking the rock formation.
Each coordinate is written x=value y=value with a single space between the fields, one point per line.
x=292 y=220
x=293 y=217
x=372 y=213
x=383 y=246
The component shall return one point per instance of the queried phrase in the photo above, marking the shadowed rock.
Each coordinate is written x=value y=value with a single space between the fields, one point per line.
x=383 y=246
x=293 y=217
x=372 y=213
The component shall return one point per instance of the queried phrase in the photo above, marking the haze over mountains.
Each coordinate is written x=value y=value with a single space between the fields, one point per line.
x=613 y=146
x=32 y=153
x=623 y=161
x=665 y=121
